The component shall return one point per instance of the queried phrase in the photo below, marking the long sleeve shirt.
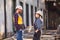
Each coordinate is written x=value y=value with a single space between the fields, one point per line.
x=38 y=23
x=18 y=20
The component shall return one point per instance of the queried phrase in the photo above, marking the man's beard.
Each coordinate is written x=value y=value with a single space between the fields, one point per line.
x=19 y=12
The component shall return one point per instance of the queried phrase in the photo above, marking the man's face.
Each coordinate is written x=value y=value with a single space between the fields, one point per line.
x=20 y=11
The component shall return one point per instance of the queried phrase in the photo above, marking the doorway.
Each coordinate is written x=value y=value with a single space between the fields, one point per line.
x=53 y=15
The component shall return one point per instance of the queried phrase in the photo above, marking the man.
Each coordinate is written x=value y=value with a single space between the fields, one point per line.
x=18 y=21
x=37 y=26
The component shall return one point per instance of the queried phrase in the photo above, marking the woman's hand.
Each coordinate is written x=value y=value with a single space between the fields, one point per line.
x=36 y=30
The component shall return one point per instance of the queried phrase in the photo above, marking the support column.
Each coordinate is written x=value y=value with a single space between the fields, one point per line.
x=30 y=25
x=9 y=17
x=2 y=25
x=34 y=14
x=24 y=13
x=29 y=15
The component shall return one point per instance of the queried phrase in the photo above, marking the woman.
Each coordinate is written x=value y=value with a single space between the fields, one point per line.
x=37 y=26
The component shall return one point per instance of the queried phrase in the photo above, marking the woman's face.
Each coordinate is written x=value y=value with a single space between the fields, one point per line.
x=37 y=16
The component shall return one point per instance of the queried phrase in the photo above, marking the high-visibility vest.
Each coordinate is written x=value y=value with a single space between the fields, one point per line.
x=20 y=20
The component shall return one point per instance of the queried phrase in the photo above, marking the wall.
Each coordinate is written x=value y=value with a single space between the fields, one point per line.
x=9 y=17
x=1 y=18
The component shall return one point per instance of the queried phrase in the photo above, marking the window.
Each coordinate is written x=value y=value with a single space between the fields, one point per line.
x=27 y=14
x=21 y=3
x=14 y=6
x=13 y=12
x=35 y=9
x=32 y=14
